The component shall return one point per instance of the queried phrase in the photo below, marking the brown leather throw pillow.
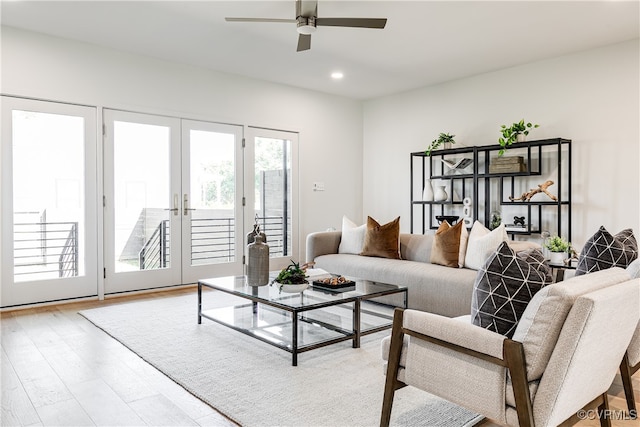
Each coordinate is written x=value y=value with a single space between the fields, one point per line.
x=446 y=245
x=382 y=240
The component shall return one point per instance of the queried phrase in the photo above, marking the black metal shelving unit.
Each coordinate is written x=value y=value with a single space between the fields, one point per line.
x=545 y=158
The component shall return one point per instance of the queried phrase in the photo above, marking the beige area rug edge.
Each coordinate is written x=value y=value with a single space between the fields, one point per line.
x=254 y=383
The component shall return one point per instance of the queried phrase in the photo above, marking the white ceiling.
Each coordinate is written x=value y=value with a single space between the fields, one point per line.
x=424 y=43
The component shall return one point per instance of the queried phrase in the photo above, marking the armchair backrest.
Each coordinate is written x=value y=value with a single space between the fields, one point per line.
x=634 y=348
x=544 y=317
x=586 y=357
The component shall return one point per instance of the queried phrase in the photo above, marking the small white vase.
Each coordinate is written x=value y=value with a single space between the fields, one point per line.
x=440 y=195
x=521 y=137
x=427 y=194
x=557 y=258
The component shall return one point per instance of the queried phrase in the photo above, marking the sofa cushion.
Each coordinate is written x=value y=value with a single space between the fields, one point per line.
x=603 y=251
x=416 y=247
x=482 y=243
x=382 y=240
x=446 y=245
x=352 y=238
x=542 y=320
x=503 y=288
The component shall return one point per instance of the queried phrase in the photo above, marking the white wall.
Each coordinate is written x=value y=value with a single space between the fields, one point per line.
x=330 y=127
x=591 y=98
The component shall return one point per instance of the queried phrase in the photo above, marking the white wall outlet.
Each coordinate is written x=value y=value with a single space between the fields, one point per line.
x=318 y=186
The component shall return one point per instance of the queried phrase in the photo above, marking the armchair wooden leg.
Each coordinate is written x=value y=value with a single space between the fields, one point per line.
x=625 y=373
x=393 y=365
x=603 y=411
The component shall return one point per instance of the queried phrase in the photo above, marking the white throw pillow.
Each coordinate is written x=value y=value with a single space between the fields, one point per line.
x=634 y=269
x=482 y=244
x=464 y=240
x=352 y=239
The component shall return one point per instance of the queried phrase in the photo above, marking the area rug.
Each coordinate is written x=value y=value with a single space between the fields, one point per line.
x=254 y=383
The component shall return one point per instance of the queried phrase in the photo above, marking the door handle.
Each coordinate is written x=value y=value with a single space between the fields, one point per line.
x=175 y=208
x=186 y=205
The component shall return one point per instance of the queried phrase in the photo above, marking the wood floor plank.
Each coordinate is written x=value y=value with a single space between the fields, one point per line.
x=158 y=410
x=65 y=413
x=103 y=405
x=17 y=408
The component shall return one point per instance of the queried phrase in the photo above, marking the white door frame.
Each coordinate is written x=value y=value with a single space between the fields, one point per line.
x=84 y=285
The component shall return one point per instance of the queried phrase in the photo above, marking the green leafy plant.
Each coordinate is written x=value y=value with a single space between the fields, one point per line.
x=292 y=275
x=557 y=244
x=510 y=134
x=443 y=138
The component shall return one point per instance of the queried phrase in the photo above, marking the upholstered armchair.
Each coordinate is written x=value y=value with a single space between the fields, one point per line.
x=562 y=357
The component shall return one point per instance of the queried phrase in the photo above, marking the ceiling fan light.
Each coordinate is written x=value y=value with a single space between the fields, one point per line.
x=306 y=29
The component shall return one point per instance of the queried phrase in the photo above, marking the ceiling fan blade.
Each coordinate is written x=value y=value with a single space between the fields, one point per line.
x=304 y=42
x=378 y=23
x=289 y=21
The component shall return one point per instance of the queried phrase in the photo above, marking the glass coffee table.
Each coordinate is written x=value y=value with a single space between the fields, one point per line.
x=303 y=321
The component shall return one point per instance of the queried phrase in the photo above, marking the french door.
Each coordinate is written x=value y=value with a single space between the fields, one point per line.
x=49 y=201
x=173 y=201
x=271 y=176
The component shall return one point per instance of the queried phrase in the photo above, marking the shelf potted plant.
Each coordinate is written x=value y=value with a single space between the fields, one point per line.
x=558 y=248
x=291 y=279
x=514 y=133
x=442 y=139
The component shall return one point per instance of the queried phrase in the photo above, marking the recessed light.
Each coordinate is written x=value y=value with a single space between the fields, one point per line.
x=337 y=75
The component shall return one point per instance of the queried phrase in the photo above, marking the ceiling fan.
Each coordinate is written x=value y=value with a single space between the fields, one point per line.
x=307 y=20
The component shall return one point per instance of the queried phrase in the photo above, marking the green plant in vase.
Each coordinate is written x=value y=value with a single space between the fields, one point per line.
x=293 y=274
x=443 y=138
x=558 y=247
x=512 y=134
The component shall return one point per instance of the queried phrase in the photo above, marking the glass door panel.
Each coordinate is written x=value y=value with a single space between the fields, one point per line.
x=49 y=198
x=142 y=215
x=274 y=196
x=212 y=200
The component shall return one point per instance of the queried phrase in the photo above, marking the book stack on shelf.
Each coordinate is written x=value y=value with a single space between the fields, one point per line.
x=507 y=164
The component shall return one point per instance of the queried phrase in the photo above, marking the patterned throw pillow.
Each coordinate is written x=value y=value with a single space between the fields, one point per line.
x=503 y=288
x=603 y=251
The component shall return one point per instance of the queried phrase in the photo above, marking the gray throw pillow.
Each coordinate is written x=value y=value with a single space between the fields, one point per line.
x=603 y=251
x=634 y=269
x=504 y=286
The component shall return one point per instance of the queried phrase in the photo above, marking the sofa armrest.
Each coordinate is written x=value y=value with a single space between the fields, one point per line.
x=322 y=243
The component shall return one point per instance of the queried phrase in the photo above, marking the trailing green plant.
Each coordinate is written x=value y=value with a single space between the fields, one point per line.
x=557 y=244
x=293 y=274
x=510 y=134
x=443 y=138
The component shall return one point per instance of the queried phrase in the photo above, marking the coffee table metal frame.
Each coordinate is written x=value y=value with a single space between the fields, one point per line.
x=315 y=301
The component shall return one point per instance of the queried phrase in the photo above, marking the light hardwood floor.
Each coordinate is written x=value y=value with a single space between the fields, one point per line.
x=59 y=369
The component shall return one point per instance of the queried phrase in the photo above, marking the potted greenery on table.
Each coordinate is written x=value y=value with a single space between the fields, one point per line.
x=514 y=133
x=442 y=139
x=558 y=248
x=293 y=278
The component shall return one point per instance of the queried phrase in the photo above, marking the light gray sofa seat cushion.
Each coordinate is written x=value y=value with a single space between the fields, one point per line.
x=433 y=288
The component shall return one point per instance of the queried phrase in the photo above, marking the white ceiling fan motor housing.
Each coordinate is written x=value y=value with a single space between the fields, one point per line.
x=306 y=25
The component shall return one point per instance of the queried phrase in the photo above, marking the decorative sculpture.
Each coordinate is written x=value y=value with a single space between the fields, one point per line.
x=518 y=220
x=542 y=188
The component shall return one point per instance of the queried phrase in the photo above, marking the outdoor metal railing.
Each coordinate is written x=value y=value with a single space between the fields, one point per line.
x=45 y=248
x=154 y=253
x=212 y=241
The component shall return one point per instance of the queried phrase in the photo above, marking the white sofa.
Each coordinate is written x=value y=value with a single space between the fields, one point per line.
x=433 y=288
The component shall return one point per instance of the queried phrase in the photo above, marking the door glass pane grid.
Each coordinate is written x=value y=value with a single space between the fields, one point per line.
x=48 y=195
x=273 y=193
x=142 y=196
x=212 y=197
